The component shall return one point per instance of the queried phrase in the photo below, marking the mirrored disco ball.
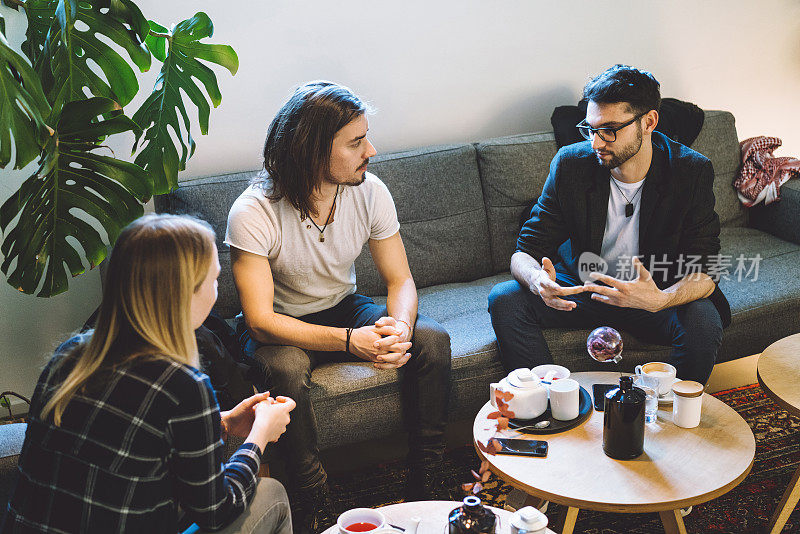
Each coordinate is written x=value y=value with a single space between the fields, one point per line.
x=604 y=344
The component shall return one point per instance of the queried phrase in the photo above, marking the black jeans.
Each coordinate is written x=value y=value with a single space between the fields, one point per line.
x=694 y=330
x=425 y=386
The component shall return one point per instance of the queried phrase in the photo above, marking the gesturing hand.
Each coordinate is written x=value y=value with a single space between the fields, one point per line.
x=544 y=283
x=239 y=420
x=641 y=292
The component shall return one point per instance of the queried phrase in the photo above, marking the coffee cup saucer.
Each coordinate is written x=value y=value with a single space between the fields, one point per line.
x=668 y=397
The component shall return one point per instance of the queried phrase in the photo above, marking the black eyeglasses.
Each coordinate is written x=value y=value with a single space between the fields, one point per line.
x=607 y=134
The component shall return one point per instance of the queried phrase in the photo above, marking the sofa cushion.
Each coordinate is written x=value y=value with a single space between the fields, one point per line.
x=766 y=307
x=718 y=142
x=442 y=216
x=210 y=199
x=513 y=170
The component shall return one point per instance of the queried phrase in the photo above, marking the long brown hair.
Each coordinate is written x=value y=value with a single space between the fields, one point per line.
x=297 y=151
x=158 y=263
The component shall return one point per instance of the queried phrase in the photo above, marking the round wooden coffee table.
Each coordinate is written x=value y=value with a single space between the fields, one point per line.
x=433 y=514
x=679 y=467
x=778 y=373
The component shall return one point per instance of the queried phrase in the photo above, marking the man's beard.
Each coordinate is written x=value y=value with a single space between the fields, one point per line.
x=354 y=182
x=357 y=181
x=624 y=154
x=363 y=175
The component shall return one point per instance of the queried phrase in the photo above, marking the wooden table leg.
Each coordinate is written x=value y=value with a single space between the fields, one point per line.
x=565 y=523
x=787 y=504
x=673 y=522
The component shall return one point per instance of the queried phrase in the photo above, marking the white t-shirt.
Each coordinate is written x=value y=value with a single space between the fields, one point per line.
x=621 y=237
x=309 y=275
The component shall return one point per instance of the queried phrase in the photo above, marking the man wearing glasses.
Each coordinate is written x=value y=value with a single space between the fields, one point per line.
x=624 y=234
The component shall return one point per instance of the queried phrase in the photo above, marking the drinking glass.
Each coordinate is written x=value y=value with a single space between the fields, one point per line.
x=650 y=403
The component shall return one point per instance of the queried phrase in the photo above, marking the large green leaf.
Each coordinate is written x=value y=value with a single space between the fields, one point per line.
x=72 y=46
x=40 y=14
x=73 y=185
x=180 y=73
x=22 y=108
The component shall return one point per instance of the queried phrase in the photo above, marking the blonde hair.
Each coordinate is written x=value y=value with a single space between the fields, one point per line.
x=158 y=263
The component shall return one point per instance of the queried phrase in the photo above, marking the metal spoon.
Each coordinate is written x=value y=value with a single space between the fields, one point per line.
x=540 y=425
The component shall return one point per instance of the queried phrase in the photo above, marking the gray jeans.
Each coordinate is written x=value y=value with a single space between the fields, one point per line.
x=268 y=512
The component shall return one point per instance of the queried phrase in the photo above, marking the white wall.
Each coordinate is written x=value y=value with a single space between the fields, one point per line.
x=451 y=71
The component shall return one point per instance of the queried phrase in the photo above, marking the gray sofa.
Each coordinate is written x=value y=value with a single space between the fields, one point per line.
x=459 y=208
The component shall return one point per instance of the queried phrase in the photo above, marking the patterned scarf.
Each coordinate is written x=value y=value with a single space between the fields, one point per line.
x=762 y=174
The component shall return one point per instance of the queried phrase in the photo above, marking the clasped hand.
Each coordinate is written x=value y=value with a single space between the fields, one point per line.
x=272 y=414
x=386 y=343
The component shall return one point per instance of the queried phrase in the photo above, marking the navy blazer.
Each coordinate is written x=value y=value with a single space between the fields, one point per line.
x=677 y=217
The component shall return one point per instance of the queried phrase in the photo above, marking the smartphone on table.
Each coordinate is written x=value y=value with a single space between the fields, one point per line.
x=522 y=447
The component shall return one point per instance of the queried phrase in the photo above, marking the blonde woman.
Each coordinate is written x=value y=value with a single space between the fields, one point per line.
x=125 y=432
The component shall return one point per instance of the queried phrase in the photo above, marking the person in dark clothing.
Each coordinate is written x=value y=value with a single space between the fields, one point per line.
x=124 y=431
x=294 y=236
x=624 y=234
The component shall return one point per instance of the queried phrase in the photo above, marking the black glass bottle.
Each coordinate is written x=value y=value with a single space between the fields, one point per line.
x=471 y=518
x=623 y=421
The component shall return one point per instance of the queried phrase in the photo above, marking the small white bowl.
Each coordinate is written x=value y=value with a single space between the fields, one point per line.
x=541 y=370
x=360 y=515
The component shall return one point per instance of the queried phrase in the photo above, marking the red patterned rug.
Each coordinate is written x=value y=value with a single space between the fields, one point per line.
x=744 y=510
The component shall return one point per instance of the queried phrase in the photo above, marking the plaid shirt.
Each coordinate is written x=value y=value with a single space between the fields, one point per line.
x=141 y=441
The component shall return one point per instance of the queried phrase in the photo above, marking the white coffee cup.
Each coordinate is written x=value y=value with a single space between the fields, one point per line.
x=360 y=515
x=564 y=399
x=658 y=375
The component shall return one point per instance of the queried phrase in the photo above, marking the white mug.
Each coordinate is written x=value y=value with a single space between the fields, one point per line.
x=688 y=403
x=564 y=399
x=360 y=515
x=657 y=375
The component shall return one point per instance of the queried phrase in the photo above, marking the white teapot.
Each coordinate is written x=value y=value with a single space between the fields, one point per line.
x=528 y=393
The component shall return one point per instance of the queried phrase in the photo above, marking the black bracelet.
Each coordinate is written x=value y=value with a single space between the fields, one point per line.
x=347 y=345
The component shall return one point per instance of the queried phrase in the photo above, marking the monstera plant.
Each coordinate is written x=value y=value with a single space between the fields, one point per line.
x=61 y=96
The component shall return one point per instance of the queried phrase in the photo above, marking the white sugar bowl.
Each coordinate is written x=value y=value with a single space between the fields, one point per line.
x=528 y=520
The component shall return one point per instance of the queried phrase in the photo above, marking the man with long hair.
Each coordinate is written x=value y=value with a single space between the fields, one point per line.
x=294 y=236
x=624 y=234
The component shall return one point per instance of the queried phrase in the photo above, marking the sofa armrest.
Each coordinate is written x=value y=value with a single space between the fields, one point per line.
x=781 y=218
x=11 y=438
